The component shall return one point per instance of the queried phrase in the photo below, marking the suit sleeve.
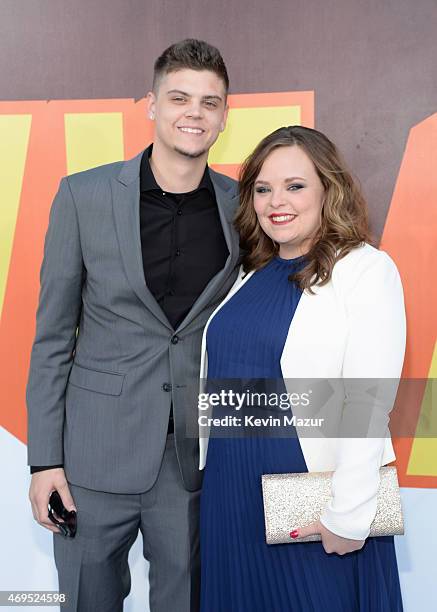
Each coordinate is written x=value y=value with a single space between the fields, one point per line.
x=57 y=320
x=372 y=366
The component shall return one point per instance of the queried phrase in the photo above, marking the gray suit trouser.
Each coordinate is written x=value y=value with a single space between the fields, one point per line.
x=93 y=567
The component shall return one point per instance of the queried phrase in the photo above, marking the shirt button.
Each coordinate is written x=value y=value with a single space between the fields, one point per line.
x=163 y=193
x=166 y=387
x=178 y=252
x=179 y=212
x=175 y=340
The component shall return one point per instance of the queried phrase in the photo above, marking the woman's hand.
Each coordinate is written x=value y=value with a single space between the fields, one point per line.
x=332 y=543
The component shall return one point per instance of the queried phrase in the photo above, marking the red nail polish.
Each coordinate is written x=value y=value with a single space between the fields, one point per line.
x=294 y=534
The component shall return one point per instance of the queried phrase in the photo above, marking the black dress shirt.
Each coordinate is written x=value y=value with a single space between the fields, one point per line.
x=182 y=242
x=182 y=245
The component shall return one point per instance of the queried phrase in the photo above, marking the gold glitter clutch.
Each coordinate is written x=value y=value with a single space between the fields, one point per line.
x=296 y=500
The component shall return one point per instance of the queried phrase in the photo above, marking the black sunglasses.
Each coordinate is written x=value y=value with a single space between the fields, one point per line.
x=69 y=526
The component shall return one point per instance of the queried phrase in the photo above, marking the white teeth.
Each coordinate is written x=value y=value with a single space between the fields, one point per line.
x=280 y=219
x=191 y=130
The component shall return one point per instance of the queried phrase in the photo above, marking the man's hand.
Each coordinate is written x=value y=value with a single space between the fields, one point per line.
x=332 y=543
x=41 y=487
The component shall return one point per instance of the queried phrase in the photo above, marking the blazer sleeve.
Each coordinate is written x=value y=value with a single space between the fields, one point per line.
x=373 y=360
x=60 y=301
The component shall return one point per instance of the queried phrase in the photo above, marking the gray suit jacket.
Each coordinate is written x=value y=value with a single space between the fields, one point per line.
x=103 y=359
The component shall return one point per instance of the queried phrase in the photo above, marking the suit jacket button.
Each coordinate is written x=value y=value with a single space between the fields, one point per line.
x=175 y=340
x=166 y=387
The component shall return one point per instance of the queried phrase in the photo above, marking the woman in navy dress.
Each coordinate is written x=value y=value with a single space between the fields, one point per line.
x=303 y=226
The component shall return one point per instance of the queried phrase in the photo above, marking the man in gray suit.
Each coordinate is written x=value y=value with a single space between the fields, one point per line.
x=136 y=257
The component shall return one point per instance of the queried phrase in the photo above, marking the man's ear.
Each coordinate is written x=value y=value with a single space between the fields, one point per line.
x=150 y=105
x=225 y=118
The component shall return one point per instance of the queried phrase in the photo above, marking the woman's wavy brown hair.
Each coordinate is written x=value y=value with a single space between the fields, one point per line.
x=344 y=220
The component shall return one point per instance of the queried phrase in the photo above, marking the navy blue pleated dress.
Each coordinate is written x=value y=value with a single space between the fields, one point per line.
x=239 y=571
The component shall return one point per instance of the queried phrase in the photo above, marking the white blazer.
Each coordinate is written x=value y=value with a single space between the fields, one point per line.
x=352 y=327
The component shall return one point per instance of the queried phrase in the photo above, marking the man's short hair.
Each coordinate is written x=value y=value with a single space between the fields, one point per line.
x=193 y=54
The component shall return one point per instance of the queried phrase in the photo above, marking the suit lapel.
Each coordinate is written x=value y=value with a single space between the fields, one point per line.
x=226 y=200
x=126 y=203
